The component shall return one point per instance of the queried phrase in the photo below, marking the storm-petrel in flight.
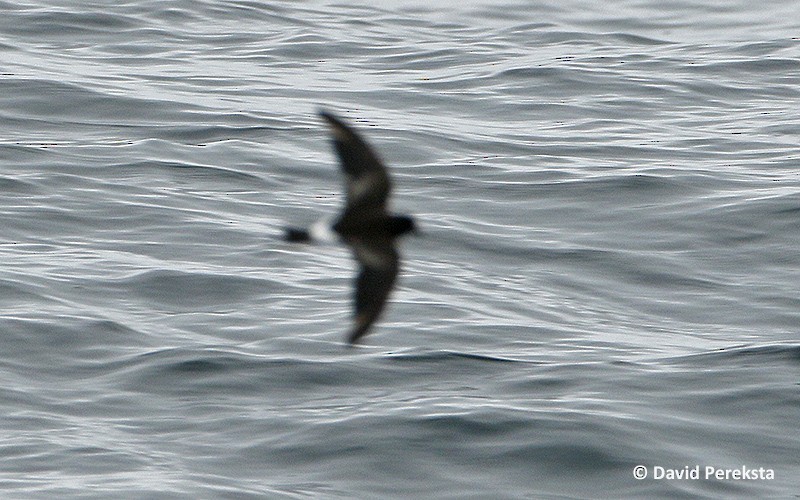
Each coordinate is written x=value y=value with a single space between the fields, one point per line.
x=364 y=225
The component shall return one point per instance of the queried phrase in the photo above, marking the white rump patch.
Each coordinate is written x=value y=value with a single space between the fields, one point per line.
x=321 y=232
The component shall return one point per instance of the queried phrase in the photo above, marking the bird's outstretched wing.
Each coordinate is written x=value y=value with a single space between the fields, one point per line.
x=367 y=182
x=378 y=262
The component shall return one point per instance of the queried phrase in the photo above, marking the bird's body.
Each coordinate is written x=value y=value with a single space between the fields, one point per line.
x=365 y=225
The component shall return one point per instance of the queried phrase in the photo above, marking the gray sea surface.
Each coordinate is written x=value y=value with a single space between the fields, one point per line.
x=607 y=274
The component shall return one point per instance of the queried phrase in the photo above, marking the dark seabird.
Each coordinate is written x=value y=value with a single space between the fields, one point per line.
x=364 y=225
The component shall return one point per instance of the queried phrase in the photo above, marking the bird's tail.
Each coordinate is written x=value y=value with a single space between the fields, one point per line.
x=297 y=235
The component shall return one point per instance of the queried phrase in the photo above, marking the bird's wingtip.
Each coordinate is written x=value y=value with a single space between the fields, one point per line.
x=334 y=121
x=361 y=329
x=327 y=115
x=340 y=131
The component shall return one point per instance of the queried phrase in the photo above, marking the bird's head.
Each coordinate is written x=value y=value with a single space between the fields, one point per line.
x=402 y=224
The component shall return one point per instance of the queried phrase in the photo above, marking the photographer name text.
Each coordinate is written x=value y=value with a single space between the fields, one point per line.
x=708 y=472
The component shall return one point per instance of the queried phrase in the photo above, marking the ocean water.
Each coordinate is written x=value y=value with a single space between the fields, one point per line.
x=607 y=277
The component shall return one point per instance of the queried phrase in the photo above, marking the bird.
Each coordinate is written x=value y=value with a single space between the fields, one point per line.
x=364 y=225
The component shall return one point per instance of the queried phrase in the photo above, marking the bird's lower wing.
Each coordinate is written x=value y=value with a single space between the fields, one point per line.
x=374 y=283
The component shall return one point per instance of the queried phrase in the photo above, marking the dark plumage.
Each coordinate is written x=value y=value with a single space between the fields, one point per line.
x=364 y=225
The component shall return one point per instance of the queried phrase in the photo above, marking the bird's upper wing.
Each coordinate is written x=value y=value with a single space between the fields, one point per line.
x=379 y=265
x=368 y=183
